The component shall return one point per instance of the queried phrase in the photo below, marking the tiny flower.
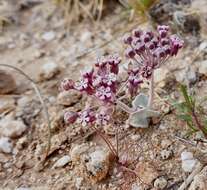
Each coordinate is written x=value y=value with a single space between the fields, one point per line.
x=164 y=41
x=114 y=61
x=146 y=37
x=146 y=71
x=70 y=117
x=176 y=44
x=97 y=81
x=140 y=48
x=135 y=80
x=163 y=27
x=82 y=84
x=150 y=45
x=86 y=117
x=130 y=53
x=109 y=79
x=88 y=73
x=127 y=39
x=137 y=33
x=104 y=93
x=102 y=118
x=160 y=53
x=67 y=84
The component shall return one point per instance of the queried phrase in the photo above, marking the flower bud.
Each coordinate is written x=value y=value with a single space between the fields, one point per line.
x=137 y=33
x=70 y=117
x=127 y=39
x=67 y=84
x=130 y=53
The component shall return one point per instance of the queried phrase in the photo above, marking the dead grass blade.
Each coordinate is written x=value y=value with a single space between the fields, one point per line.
x=38 y=92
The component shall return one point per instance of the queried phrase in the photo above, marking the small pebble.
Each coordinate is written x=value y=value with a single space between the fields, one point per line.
x=166 y=154
x=48 y=36
x=188 y=162
x=160 y=183
x=62 y=162
x=5 y=145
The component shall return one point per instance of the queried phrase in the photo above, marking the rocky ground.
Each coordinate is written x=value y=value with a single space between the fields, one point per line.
x=163 y=156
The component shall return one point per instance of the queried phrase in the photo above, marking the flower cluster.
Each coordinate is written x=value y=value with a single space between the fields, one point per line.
x=149 y=50
x=100 y=82
x=146 y=51
x=87 y=117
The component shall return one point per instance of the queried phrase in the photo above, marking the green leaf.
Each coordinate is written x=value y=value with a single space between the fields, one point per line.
x=185 y=117
x=146 y=3
x=190 y=102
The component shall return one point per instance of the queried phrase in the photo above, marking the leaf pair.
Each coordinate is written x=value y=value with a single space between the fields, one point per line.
x=141 y=118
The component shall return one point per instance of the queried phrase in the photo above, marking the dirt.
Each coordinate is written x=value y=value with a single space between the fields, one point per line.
x=155 y=150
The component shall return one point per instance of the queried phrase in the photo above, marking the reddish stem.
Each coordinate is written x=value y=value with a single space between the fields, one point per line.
x=110 y=146
x=197 y=122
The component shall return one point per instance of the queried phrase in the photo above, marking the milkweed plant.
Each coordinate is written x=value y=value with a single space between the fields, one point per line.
x=104 y=87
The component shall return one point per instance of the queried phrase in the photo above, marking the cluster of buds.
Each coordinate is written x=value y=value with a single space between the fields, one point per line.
x=146 y=50
x=149 y=50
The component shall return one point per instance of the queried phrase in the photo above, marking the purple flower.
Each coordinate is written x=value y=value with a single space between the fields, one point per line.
x=88 y=74
x=104 y=93
x=109 y=79
x=151 y=48
x=127 y=39
x=134 y=80
x=146 y=71
x=176 y=44
x=82 y=84
x=130 y=53
x=102 y=118
x=114 y=61
x=86 y=117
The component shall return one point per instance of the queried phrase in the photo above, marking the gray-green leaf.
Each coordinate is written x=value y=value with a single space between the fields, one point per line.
x=140 y=101
x=141 y=119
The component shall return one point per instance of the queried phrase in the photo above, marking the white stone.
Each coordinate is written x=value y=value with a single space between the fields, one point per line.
x=203 y=46
x=135 y=137
x=135 y=187
x=191 y=76
x=166 y=154
x=85 y=36
x=160 y=183
x=12 y=128
x=23 y=188
x=49 y=70
x=48 y=36
x=78 y=182
x=77 y=150
x=202 y=67
x=5 y=145
x=62 y=162
x=188 y=162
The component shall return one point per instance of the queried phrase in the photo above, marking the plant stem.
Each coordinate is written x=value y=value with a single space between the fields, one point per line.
x=124 y=107
x=151 y=91
x=109 y=144
x=197 y=122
